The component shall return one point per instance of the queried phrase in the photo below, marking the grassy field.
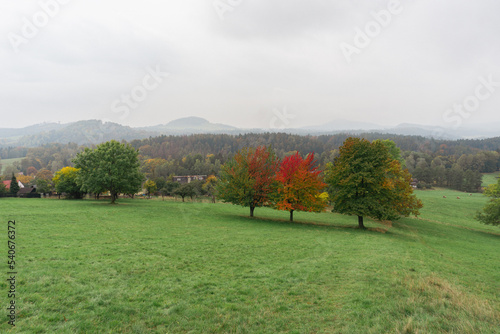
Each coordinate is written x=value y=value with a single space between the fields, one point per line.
x=152 y=266
x=7 y=162
x=490 y=178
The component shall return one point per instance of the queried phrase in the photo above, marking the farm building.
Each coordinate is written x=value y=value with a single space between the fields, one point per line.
x=189 y=178
x=7 y=184
x=27 y=192
x=414 y=183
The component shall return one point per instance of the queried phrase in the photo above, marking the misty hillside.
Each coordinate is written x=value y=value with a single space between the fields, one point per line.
x=95 y=131
x=29 y=130
x=190 y=125
x=82 y=132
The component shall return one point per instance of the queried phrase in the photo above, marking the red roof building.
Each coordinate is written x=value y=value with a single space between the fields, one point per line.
x=7 y=184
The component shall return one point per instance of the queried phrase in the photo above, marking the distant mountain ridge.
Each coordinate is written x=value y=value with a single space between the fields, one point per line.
x=342 y=124
x=95 y=131
x=37 y=128
x=81 y=132
x=190 y=125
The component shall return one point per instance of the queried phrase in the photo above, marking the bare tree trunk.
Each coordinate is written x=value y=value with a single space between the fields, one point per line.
x=360 y=222
x=251 y=210
x=291 y=215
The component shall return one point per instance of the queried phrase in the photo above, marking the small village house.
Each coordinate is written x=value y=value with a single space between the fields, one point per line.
x=189 y=178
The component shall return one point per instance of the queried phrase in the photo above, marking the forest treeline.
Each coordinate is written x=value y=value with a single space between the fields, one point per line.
x=450 y=163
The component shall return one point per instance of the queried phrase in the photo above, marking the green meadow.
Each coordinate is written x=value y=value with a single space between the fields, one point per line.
x=7 y=162
x=490 y=178
x=153 y=266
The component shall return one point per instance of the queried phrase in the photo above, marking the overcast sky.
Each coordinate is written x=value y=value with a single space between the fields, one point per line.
x=250 y=63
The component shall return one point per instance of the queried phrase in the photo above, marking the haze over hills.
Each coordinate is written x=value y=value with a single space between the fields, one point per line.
x=190 y=125
x=81 y=132
x=29 y=130
x=342 y=124
x=95 y=131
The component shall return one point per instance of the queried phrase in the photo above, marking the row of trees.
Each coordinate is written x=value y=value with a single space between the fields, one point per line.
x=364 y=180
x=256 y=178
x=460 y=173
x=160 y=186
x=189 y=165
x=197 y=154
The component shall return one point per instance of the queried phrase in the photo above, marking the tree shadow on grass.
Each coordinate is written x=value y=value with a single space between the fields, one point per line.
x=300 y=223
x=107 y=202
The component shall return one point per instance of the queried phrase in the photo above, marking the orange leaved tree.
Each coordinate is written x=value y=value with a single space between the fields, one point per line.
x=300 y=184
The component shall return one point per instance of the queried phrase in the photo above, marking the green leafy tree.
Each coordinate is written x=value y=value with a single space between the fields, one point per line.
x=43 y=186
x=366 y=181
x=65 y=181
x=472 y=181
x=394 y=151
x=43 y=181
x=210 y=187
x=3 y=189
x=14 y=186
x=198 y=187
x=491 y=211
x=170 y=187
x=185 y=190
x=44 y=174
x=160 y=183
x=249 y=178
x=163 y=192
x=112 y=167
x=150 y=187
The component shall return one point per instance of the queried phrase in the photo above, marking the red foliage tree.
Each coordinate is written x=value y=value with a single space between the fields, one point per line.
x=247 y=179
x=31 y=171
x=299 y=185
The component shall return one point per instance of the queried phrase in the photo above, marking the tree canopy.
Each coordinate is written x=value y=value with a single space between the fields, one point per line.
x=65 y=181
x=185 y=190
x=112 y=167
x=299 y=185
x=210 y=187
x=248 y=178
x=14 y=186
x=366 y=181
x=491 y=211
x=3 y=188
x=150 y=187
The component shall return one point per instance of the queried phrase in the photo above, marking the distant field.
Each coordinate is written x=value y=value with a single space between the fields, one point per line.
x=152 y=266
x=490 y=178
x=8 y=162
